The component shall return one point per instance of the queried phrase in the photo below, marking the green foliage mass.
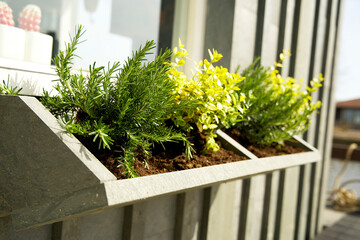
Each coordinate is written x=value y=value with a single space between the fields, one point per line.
x=6 y=89
x=211 y=93
x=278 y=108
x=120 y=107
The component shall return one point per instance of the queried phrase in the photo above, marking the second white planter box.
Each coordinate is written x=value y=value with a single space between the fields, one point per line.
x=38 y=48
x=15 y=43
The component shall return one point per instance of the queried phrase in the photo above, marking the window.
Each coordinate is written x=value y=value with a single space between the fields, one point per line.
x=114 y=28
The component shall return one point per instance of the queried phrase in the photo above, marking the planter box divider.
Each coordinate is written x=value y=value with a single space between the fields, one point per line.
x=233 y=145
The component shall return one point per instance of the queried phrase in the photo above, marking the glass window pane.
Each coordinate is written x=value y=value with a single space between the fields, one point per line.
x=136 y=19
x=357 y=116
x=114 y=28
x=348 y=115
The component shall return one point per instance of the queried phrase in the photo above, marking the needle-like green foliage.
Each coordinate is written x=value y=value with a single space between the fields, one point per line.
x=6 y=89
x=122 y=108
x=278 y=108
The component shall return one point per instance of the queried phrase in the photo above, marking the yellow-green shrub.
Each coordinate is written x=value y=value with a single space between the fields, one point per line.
x=278 y=107
x=210 y=93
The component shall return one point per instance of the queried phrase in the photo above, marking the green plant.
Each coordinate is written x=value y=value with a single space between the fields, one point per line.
x=278 y=108
x=122 y=108
x=5 y=88
x=211 y=93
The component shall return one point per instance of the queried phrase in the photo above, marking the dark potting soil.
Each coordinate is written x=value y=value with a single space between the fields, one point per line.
x=264 y=151
x=165 y=158
x=170 y=160
x=171 y=157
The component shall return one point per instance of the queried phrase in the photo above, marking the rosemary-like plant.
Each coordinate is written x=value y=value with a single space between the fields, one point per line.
x=6 y=89
x=122 y=108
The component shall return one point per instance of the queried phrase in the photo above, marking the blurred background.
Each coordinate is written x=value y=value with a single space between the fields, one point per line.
x=347 y=96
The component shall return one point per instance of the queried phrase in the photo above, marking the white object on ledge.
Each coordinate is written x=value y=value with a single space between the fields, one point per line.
x=101 y=46
x=12 y=42
x=38 y=48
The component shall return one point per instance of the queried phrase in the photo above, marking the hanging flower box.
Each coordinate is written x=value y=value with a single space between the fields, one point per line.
x=51 y=176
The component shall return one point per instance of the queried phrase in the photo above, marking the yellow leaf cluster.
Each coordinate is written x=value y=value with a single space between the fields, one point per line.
x=212 y=93
x=290 y=86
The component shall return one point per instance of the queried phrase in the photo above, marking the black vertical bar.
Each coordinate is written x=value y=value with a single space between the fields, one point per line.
x=299 y=201
x=219 y=29
x=244 y=205
x=56 y=231
x=311 y=196
x=179 y=220
x=294 y=38
x=166 y=24
x=127 y=223
x=259 y=28
x=266 y=206
x=314 y=40
x=205 y=214
x=279 y=204
x=282 y=25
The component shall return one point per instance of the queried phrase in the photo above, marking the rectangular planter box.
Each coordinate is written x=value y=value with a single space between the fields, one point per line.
x=48 y=175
